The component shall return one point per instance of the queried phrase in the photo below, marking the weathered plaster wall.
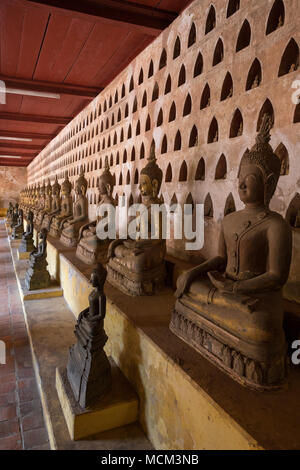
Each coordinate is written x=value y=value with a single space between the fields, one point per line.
x=12 y=181
x=117 y=124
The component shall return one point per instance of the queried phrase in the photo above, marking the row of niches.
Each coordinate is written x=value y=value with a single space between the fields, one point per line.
x=289 y=63
x=132 y=153
x=292 y=213
x=131 y=176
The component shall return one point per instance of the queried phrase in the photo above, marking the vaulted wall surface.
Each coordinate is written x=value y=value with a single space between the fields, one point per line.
x=193 y=110
x=12 y=181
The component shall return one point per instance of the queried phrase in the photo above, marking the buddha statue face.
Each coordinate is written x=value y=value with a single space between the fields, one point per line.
x=145 y=186
x=251 y=185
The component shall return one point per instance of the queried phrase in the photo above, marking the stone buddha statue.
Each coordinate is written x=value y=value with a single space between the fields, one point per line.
x=88 y=369
x=66 y=209
x=42 y=206
x=14 y=217
x=37 y=276
x=9 y=212
x=47 y=197
x=18 y=229
x=71 y=227
x=90 y=247
x=55 y=204
x=230 y=307
x=27 y=244
x=137 y=266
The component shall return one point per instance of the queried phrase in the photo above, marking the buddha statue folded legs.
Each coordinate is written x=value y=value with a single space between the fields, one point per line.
x=71 y=227
x=230 y=307
x=90 y=248
x=137 y=267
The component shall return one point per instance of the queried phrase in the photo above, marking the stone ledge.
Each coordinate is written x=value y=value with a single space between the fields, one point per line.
x=118 y=407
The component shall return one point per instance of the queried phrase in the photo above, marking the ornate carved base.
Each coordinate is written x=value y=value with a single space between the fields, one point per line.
x=37 y=275
x=17 y=233
x=135 y=284
x=68 y=241
x=223 y=350
x=90 y=256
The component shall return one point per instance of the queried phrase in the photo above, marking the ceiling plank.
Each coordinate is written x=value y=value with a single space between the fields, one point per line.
x=10 y=145
x=35 y=118
x=49 y=87
x=26 y=135
x=148 y=19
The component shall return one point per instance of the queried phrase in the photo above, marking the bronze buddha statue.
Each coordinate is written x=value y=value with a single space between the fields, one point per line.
x=230 y=308
x=27 y=244
x=90 y=247
x=66 y=207
x=18 y=229
x=46 y=194
x=54 y=204
x=71 y=227
x=39 y=212
x=37 y=275
x=137 y=267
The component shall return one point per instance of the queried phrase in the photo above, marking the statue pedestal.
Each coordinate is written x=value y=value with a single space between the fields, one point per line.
x=53 y=290
x=118 y=407
x=24 y=254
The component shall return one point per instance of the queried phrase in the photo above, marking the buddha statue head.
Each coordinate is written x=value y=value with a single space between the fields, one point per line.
x=81 y=184
x=48 y=189
x=106 y=181
x=56 y=187
x=259 y=169
x=66 y=186
x=151 y=176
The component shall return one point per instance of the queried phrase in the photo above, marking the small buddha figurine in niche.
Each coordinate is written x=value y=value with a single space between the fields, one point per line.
x=89 y=247
x=66 y=209
x=18 y=229
x=71 y=227
x=137 y=267
x=88 y=369
x=255 y=83
x=37 y=275
x=55 y=205
x=230 y=307
x=27 y=244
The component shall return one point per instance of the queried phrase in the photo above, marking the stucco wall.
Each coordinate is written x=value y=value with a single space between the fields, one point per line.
x=12 y=181
x=97 y=131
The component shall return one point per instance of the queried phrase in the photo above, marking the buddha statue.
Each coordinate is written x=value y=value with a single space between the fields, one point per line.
x=137 y=267
x=90 y=247
x=88 y=369
x=37 y=276
x=42 y=206
x=9 y=212
x=230 y=307
x=18 y=229
x=255 y=83
x=55 y=205
x=15 y=215
x=27 y=244
x=71 y=227
x=66 y=208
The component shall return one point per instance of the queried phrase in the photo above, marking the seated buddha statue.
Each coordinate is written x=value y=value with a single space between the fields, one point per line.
x=18 y=229
x=90 y=247
x=137 y=267
x=71 y=227
x=230 y=308
x=66 y=209
x=55 y=205
x=37 y=275
x=9 y=212
x=42 y=206
x=27 y=244
x=14 y=217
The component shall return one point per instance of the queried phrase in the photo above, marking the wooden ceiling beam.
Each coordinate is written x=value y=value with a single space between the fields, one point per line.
x=25 y=135
x=35 y=118
x=50 y=87
x=21 y=146
x=147 y=19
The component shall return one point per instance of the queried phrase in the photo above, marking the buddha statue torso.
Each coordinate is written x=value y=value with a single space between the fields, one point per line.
x=65 y=209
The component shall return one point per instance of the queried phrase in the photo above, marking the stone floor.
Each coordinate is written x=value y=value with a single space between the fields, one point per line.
x=21 y=416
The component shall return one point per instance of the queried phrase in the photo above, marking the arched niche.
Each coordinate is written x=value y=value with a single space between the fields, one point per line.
x=290 y=59
x=163 y=59
x=205 y=97
x=227 y=88
x=193 y=140
x=192 y=35
x=168 y=85
x=213 y=133
x=211 y=20
x=236 y=127
x=177 y=48
x=254 y=75
x=208 y=207
x=297 y=114
x=160 y=118
x=221 y=168
x=283 y=155
x=267 y=108
x=198 y=68
x=233 y=7
x=200 y=170
x=182 y=76
x=183 y=172
x=177 y=143
x=244 y=36
x=218 y=53
x=164 y=145
x=172 y=114
x=229 y=205
x=187 y=105
x=168 y=177
x=276 y=17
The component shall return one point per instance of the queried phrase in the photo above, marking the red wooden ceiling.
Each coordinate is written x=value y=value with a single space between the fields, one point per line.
x=66 y=43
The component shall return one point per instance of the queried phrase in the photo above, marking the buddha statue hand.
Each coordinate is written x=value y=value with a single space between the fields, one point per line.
x=184 y=281
x=219 y=280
